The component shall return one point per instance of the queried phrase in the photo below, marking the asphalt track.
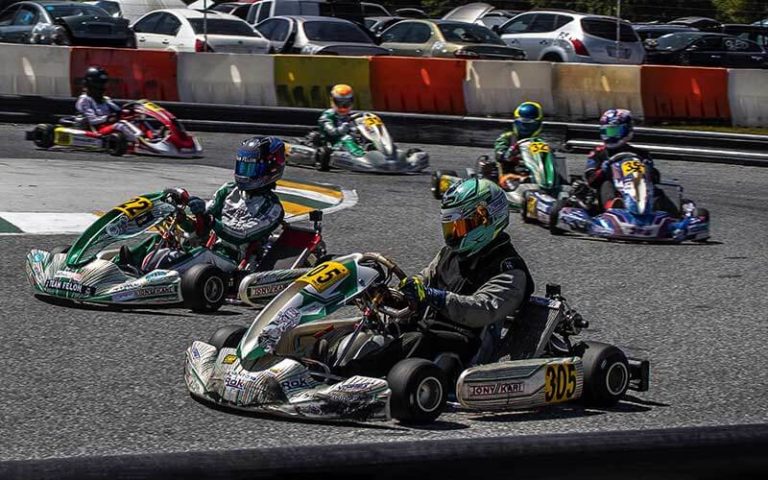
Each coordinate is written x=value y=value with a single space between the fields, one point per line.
x=85 y=382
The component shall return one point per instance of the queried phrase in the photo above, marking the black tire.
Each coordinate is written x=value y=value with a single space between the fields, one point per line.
x=44 y=134
x=554 y=216
x=524 y=210
x=204 y=288
x=419 y=391
x=552 y=57
x=323 y=159
x=227 y=336
x=606 y=373
x=116 y=144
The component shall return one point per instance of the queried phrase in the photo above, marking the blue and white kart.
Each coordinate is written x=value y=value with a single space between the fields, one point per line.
x=632 y=216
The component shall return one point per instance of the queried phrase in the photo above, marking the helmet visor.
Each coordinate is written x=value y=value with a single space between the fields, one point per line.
x=612 y=131
x=344 y=102
x=454 y=230
x=527 y=127
x=249 y=168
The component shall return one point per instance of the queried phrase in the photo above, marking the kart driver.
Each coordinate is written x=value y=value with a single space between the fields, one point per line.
x=616 y=130
x=241 y=213
x=336 y=122
x=99 y=111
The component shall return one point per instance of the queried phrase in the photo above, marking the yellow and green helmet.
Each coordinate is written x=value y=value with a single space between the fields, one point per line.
x=473 y=212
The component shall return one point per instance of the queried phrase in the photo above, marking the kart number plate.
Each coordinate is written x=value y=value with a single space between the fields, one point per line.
x=559 y=382
x=135 y=207
x=632 y=166
x=326 y=275
x=372 y=121
x=151 y=107
x=538 y=147
x=62 y=137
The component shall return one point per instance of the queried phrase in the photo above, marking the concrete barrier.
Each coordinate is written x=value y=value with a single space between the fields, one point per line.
x=34 y=70
x=685 y=93
x=583 y=91
x=748 y=97
x=227 y=79
x=498 y=87
x=306 y=80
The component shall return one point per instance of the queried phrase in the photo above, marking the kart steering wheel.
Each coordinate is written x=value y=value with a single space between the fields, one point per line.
x=391 y=268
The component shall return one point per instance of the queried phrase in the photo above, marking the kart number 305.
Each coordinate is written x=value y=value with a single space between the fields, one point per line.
x=559 y=382
x=325 y=275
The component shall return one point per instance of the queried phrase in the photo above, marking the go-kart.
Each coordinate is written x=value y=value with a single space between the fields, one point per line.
x=161 y=134
x=366 y=148
x=178 y=269
x=294 y=361
x=631 y=216
x=539 y=182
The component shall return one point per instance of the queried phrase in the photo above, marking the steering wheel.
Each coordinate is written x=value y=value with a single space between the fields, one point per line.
x=391 y=269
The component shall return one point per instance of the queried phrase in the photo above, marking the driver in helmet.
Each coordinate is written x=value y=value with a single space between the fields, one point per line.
x=336 y=122
x=527 y=123
x=99 y=111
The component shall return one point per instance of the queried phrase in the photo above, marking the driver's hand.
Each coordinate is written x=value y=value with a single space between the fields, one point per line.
x=177 y=195
x=344 y=128
x=196 y=205
x=419 y=295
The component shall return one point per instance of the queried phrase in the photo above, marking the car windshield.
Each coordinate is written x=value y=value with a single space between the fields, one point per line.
x=320 y=31
x=675 y=41
x=468 y=33
x=71 y=10
x=606 y=29
x=220 y=26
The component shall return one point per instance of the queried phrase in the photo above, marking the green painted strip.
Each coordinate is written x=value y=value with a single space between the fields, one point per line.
x=303 y=201
x=7 y=227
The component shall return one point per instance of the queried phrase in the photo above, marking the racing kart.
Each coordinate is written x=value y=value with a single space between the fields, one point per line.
x=366 y=148
x=539 y=182
x=161 y=134
x=631 y=216
x=295 y=361
x=178 y=270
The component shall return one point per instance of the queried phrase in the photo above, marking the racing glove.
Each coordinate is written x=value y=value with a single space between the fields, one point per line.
x=344 y=128
x=196 y=205
x=418 y=294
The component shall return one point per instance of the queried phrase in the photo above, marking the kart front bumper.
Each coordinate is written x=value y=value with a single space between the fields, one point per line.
x=618 y=224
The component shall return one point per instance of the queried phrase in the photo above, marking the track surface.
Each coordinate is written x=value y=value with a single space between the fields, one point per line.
x=83 y=382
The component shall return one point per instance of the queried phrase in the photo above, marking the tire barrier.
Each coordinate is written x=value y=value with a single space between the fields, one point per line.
x=584 y=91
x=306 y=81
x=685 y=93
x=748 y=97
x=226 y=79
x=492 y=87
x=34 y=70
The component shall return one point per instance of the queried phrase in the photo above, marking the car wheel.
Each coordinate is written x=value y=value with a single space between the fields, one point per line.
x=228 y=336
x=552 y=57
x=606 y=373
x=44 y=135
x=419 y=391
x=117 y=144
x=204 y=288
x=554 y=216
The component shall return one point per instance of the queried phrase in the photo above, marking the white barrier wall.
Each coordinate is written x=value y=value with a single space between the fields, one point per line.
x=224 y=78
x=34 y=70
x=584 y=91
x=748 y=97
x=498 y=87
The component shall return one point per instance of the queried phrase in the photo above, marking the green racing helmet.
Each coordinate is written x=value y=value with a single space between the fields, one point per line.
x=474 y=212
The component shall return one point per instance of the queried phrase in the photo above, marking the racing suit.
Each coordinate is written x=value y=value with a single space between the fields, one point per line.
x=598 y=176
x=332 y=126
x=505 y=152
x=97 y=115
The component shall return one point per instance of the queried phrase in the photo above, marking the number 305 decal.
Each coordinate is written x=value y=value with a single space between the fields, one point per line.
x=559 y=382
x=325 y=275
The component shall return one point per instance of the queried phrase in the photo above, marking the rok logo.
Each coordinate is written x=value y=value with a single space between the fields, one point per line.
x=293 y=384
x=514 y=388
x=234 y=382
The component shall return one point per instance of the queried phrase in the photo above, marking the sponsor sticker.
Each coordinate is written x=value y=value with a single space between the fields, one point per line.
x=508 y=388
x=229 y=359
x=325 y=275
x=266 y=290
x=74 y=287
x=507 y=264
x=294 y=383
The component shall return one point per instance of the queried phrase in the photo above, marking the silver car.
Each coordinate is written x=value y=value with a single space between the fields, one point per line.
x=562 y=36
x=311 y=35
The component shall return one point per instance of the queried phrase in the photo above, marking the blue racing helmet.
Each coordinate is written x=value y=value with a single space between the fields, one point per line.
x=528 y=120
x=616 y=127
x=260 y=162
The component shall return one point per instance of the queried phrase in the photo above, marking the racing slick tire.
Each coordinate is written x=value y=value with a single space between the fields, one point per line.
x=323 y=159
x=203 y=288
x=606 y=373
x=554 y=214
x=43 y=135
x=419 y=391
x=227 y=336
x=524 y=209
x=116 y=144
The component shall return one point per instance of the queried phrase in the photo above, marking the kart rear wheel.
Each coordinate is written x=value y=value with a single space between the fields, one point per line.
x=554 y=216
x=419 y=391
x=116 y=144
x=606 y=373
x=323 y=159
x=44 y=135
x=204 y=288
x=227 y=336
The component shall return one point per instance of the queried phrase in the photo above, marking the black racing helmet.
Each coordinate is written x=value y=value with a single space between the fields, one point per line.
x=96 y=79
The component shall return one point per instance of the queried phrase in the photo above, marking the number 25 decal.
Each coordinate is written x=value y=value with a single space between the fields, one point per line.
x=559 y=382
x=325 y=275
x=135 y=207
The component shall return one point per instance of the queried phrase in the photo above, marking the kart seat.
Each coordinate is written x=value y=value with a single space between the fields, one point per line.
x=531 y=329
x=293 y=240
x=75 y=121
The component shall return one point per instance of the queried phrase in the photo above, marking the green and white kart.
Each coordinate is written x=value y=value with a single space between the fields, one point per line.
x=294 y=361
x=367 y=148
x=199 y=277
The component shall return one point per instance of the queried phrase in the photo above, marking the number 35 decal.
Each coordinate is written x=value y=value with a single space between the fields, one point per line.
x=559 y=382
x=325 y=275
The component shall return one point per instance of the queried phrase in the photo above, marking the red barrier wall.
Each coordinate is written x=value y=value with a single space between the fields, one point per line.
x=133 y=74
x=426 y=85
x=684 y=93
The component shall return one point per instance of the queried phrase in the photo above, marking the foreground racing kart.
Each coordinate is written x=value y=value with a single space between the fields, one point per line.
x=162 y=134
x=178 y=271
x=540 y=182
x=294 y=361
x=631 y=216
x=367 y=148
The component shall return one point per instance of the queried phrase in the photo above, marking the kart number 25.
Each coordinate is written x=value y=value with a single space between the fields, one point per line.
x=135 y=207
x=325 y=275
x=559 y=382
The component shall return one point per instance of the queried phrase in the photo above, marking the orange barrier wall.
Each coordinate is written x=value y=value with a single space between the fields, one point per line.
x=425 y=85
x=133 y=73
x=685 y=93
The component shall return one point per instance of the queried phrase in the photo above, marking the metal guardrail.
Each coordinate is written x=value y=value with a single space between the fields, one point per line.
x=684 y=145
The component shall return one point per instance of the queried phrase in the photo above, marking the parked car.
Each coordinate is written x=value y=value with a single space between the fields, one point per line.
x=481 y=14
x=707 y=50
x=348 y=10
x=703 y=24
x=374 y=10
x=185 y=30
x=753 y=33
x=314 y=35
x=60 y=22
x=562 y=36
x=240 y=10
x=411 y=13
x=376 y=25
x=134 y=9
x=650 y=31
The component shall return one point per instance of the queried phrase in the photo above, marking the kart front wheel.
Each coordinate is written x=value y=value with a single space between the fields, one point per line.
x=606 y=373
x=204 y=288
x=44 y=135
x=554 y=216
x=117 y=144
x=419 y=391
x=323 y=159
x=227 y=337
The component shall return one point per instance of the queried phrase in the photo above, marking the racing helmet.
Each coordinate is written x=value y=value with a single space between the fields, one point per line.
x=95 y=80
x=260 y=162
x=342 y=98
x=616 y=127
x=474 y=211
x=528 y=120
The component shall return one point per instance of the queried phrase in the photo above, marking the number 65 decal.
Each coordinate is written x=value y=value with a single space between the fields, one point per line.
x=559 y=382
